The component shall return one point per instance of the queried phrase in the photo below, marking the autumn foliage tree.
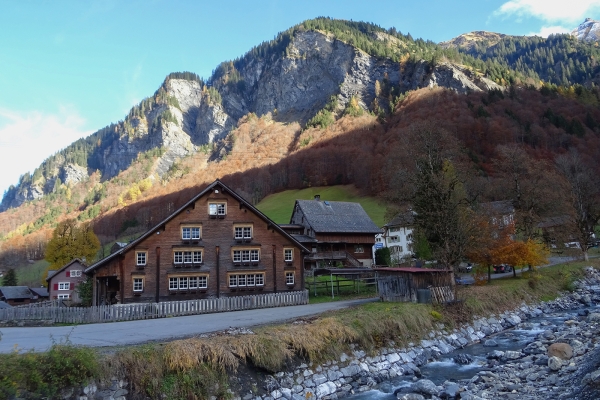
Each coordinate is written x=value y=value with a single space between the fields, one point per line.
x=70 y=241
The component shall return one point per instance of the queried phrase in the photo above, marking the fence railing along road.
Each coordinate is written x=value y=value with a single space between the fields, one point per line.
x=129 y=312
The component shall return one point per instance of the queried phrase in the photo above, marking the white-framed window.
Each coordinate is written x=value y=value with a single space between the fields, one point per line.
x=173 y=283
x=141 y=257
x=289 y=278
x=64 y=296
x=246 y=255
x=187 y=257
x=217 y=209
x=260 y=279
x=188 y=282
x=288 y=255
x=183 y=283
x=193 y=282
x=242 y=232
x=190 y=233
x=138 y=284
x=196 y=256
x=232 y=280
x=241 y=280
x=75 y=273
x=393 y=239
x=178 y=257
x=64 y=285
x=359 y=249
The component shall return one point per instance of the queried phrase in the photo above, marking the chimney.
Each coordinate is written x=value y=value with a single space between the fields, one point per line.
x=317 y=197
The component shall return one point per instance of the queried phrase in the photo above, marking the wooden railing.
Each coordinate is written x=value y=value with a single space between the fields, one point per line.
x=335 y=255
x=129 y=312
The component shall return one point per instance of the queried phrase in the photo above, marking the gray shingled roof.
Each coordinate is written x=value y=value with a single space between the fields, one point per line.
x=404 y=219
x=40 y=291
x=337 y=216
x=502 y=207
x=15 y=292
x=4 y=304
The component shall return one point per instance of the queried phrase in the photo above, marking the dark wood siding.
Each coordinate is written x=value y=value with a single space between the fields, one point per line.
x=217 y=244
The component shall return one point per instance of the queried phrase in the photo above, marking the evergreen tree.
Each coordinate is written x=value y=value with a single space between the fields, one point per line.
x=10 y=279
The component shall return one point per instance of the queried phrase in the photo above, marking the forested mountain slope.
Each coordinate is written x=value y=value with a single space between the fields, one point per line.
x=324 y=103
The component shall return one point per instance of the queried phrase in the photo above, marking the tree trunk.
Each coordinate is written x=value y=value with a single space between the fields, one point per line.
x=489 y=273
x=586 y=256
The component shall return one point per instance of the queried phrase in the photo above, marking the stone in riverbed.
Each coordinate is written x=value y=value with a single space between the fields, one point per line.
x=563 y=351
x=425 y=386
x=463 y=359
x=554 y=363
x=490 y=343
x=409 y=396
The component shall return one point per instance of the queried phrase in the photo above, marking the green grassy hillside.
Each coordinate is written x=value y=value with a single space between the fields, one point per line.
x=279 y=206
x=31 y=274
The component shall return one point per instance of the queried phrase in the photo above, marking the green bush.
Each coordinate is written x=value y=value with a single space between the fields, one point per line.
x=44 y=375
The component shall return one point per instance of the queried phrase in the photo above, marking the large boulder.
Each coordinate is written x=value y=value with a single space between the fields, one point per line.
x=563 y=351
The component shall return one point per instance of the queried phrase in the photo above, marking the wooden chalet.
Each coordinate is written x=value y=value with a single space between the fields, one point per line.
x=62 y=284
x=415 y=284
x=337 y=232
x=216 y=245
x=16 y=295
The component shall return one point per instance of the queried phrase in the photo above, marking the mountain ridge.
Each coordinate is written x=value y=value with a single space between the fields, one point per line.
x=187 y=114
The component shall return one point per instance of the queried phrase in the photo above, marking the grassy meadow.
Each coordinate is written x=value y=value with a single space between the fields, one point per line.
x=279 y=206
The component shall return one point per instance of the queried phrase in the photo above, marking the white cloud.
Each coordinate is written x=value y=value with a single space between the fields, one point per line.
x=546 y=31
x=28 y=138
x=573 y=11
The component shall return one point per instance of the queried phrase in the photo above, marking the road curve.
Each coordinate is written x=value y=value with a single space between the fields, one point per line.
x=156 y=330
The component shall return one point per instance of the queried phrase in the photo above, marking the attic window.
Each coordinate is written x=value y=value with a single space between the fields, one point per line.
x=217 y=209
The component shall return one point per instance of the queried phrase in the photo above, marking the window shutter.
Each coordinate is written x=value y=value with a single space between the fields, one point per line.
x=68 y=273
x=72 y=285
x=56 y=286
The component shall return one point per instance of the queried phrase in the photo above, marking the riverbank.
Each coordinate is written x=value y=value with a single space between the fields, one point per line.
x=526 y=373
x=347 y=351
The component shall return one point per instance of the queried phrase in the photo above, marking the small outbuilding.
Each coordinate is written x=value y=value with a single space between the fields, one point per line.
x=16 y=295
x=422 y=285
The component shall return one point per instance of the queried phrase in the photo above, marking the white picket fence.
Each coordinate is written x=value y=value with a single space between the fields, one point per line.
x=130 y=312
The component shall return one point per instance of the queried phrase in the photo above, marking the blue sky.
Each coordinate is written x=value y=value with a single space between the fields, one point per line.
x=68 y=68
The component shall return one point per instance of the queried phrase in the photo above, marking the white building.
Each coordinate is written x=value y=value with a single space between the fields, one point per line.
x=397 y=236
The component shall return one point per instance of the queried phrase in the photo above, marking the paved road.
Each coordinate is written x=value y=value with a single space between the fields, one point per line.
x=163 y=329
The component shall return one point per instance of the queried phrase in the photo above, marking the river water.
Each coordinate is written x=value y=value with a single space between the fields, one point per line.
x=446 y=369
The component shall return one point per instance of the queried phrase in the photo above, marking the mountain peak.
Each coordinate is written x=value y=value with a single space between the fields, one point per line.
x=469 y=40
x=587 y=31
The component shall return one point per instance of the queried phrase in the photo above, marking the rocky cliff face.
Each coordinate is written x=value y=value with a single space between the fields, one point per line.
x=294 y=87
x=587 y=31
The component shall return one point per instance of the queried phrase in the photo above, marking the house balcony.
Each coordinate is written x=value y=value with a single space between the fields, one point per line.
x=343 y=256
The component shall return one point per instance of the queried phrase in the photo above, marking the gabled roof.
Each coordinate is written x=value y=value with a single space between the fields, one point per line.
x=404 y=219
x=181 y=209
x=502 y=207
x=15 y=292
x=40 y=292
x=67 y=265
x=336 y=217
x=4 y=304
x=551 y=222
